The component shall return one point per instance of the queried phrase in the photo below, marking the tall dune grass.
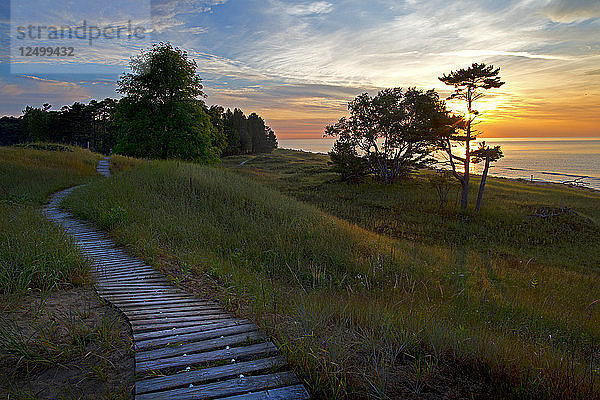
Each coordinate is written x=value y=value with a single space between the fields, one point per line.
x=360 y=314
x=35 y=253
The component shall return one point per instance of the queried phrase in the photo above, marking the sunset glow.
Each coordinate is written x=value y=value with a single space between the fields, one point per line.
x=299 y=63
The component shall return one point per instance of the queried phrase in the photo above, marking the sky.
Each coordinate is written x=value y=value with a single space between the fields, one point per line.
x=298 y=64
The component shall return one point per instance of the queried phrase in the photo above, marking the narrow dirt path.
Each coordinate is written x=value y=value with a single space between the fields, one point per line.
x=185 y=347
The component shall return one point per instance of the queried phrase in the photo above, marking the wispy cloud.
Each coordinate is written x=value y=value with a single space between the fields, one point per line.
x=572 y=10
x=317 y=7
x=475 y=54
x=298 y=63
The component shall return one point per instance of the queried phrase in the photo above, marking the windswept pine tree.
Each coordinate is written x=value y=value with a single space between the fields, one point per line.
x=469 y=85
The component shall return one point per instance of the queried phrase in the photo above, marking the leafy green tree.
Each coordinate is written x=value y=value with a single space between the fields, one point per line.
x=487 y=155
x=469 y=85
x=232 y=136
x=37 y=121
x=393 y=131
x=346 y=161
x=12 y=130
x=162 y=115
x=246 y=135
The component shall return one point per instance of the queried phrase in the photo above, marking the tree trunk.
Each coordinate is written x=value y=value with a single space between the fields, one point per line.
x=465 y=182
x=465 y=188
x=482 y=184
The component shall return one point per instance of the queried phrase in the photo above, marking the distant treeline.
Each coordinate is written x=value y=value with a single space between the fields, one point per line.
x=94 y=125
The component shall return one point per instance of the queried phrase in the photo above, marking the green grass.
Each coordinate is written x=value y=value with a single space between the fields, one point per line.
x=119 y=163
x=53 y=343
x=411 y=210
x=35 y=253
x=361 y=314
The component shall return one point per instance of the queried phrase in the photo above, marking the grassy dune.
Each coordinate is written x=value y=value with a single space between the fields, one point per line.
x=363 y=314
x=53 y=343
x=34 y=253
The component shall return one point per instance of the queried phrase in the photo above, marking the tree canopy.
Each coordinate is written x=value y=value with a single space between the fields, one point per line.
x=393 y=131
x=469 y=85
x=162 y=115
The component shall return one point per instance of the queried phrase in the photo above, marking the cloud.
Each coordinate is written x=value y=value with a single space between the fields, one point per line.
x=573 y=10
x=473 y=54
x=10 y=89
x=317 y=7
x=32 y=90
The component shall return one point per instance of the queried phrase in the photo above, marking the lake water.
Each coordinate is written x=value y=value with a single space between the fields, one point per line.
x=547 y=159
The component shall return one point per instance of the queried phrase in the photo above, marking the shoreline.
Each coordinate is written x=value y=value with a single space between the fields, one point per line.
x=537 y=182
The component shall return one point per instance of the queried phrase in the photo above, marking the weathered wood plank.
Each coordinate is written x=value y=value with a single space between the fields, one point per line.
x=197 y=327
x=225 y=388
x=150 y=296
x=129 y=276
x=196 y=336
x=147 y=299
x=157 y=300
x=294 y=392
x=140 y=292
x=176 y=325
x=265 y=349
x=141 y=324
x=134 y=317
x=208 y=374
x=129 y=285
x=157 y=304
x=131 y=288
x=195 y=347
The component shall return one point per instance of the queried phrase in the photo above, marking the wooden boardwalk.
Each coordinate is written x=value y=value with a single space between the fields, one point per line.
x=185 y=347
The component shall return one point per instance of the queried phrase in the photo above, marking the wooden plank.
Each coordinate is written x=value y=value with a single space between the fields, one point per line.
x=142 y=286
x=196 y=347
x=294 y=392
x=196 y=336
x=146 y=283
x=159 y=299
x=176 y=325
x=107 y=251
x=142 y=292
x=126 y=282
x=149 y=296
x=208 y=374
x=157 y=305
x=198 y=327
x=126 y=272
x=130 y=263
x=107 y=277
x=96 y=244
x=147 y=313
x=134 y=317
x=265 y=349
x=119 y=272
x=123 y=266
x=140 y=324
x=225 y=388
x=129 y=276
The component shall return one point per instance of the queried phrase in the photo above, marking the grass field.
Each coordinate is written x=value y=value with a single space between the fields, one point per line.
x=57 y=340
x=373 y=291
x=34 y=253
